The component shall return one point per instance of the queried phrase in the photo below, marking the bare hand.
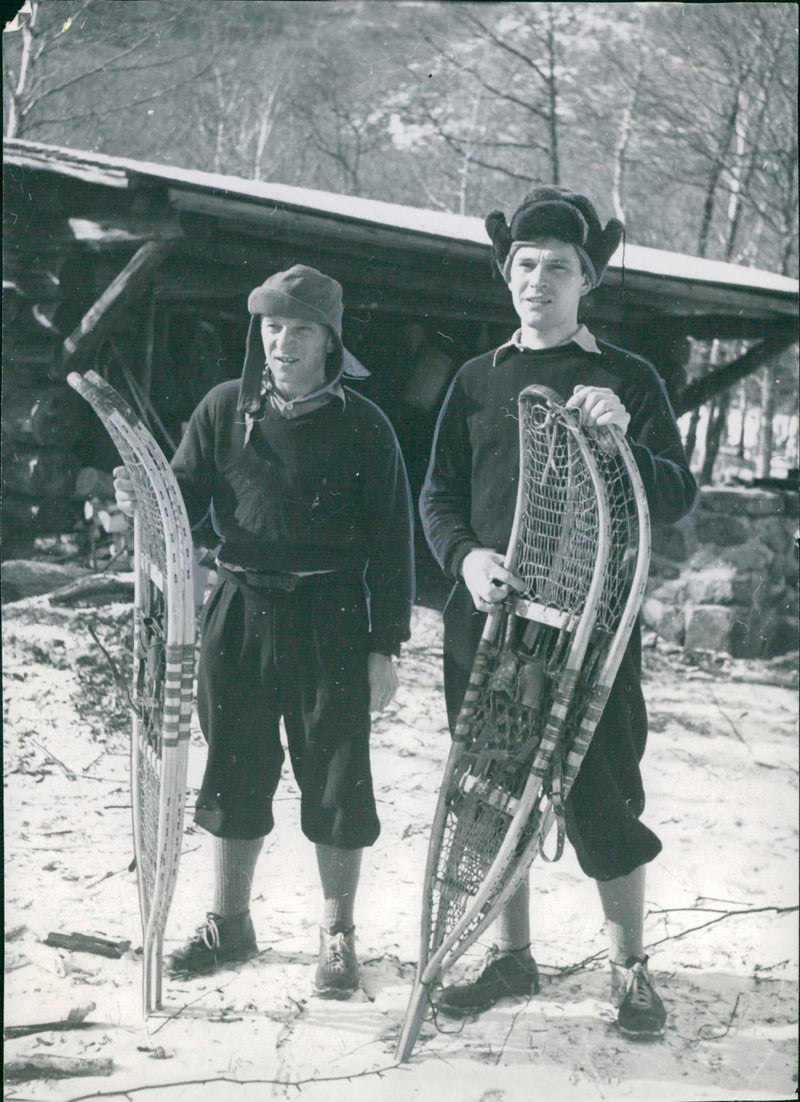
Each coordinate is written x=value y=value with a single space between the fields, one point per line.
x=383 y=681
x=599 y=407
x=124 y=491
x=487 y=579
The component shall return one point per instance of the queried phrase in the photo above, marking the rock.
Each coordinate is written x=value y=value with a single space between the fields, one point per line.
x=791 y=504
x=724 y=531
x=755 y=633
x=669 y=542
x=671 y=592
x=666 y=622
x=742 y=502
x=750 y=557
x=708 y=627
x=663 y=568
x=29 y=577
x=776 y=534
x=713 y=586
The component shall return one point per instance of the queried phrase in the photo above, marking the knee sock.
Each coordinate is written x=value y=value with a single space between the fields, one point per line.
x=513 y=929
x=234 y=865
x=623 y=907
x=339 y=871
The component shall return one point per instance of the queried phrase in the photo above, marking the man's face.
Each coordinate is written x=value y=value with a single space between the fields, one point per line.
x=547 y=282
x=296 y=351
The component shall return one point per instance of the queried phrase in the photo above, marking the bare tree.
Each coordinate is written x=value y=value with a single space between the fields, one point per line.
x=46 y=81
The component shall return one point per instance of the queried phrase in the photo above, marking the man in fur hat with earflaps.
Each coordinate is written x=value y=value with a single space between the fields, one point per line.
x=305 y=485
x=553 y=253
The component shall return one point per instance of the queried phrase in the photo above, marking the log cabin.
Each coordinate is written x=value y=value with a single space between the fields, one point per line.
x=141 y=271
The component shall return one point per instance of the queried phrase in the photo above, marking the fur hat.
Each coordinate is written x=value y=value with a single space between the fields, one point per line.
x=556 y=212
x=299 y=292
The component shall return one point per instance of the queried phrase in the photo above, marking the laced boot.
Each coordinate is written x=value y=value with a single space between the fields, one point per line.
x=504 y=975
x=337 y=970
x=641 y=1014
x=222 y=939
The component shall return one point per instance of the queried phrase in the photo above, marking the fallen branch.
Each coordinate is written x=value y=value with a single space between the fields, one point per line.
x=705 y=1029
x=722 y=712
x=55 y=1067
x=571 y=969
x=86 y=943
x=179 y=1012
x=298 y=1083
x=73 y=776
x=712 y=921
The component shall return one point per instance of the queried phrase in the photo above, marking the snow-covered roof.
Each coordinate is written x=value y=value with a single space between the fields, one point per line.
x=118 y=171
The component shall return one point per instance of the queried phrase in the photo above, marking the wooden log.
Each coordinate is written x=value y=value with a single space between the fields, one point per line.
x=98 y=589
x=39 y=472
x=52 y=416
x=88 y=943
x=43 y=1066
x=99 y=319
x=23 y=578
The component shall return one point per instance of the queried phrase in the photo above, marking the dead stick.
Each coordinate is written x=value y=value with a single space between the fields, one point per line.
x=380 y=1072
x=73 y=776
x=706 y=1035
x=722 y=712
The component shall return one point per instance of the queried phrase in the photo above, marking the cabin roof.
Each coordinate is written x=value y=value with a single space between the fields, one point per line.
x=212 y=193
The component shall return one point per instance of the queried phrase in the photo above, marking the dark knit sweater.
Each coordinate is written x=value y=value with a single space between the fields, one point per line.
x=469 y=494
x=323 y=491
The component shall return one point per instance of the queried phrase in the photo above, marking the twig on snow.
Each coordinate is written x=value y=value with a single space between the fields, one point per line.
x=719 y=918
x=73 y=776
x=722 y=712
x=171 y=1017
x=581 y=965
x=705 y=1029
x=298 y=1083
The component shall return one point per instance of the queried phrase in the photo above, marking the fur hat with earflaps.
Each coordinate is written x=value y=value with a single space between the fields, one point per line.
x=556 y=212
x=299 y=292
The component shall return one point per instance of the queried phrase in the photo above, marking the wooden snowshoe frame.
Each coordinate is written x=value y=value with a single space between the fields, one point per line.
x=541 y=677
x=163 y=666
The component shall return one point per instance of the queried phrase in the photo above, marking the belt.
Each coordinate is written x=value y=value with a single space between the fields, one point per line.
x=265 y=579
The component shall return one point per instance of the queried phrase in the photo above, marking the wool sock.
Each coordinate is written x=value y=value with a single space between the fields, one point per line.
x=234 y=866
x=513 y=929
x=339 y=871
x=623 y=907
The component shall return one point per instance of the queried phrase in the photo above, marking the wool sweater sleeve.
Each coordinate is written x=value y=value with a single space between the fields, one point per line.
x=389 y=531
x=446 y=498
x=193 y=462
x=656 y=445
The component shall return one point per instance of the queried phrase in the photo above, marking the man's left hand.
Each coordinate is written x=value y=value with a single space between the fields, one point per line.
x=599 y=407
x=383 y=681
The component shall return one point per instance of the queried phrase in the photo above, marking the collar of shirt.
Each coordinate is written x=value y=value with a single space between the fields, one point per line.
x=298 y=407
x=582 y=337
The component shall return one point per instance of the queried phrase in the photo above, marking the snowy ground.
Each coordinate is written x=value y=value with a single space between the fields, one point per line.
x=721 y=774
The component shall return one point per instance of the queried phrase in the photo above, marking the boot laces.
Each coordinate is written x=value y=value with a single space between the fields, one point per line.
x=209 y=934
x=336 y=952
x=638 y=989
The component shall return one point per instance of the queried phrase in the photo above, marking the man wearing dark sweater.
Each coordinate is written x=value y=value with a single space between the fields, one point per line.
x=554 y=252
x=304 y=484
